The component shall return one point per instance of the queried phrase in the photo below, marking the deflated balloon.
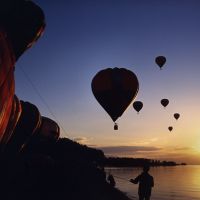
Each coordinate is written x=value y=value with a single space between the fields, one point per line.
x=115 y=89
x=164 y=102
x=170 y=128
x=137 y=105
x=160 y=61
x=176 y=116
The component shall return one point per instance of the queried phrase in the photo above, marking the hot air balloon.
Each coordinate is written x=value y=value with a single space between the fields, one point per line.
x=115 y=89
x=170 y=128
x=164 y=102
x=7 y=83
x=160 y=61
x=137 y=105
x=27 y=125
x=24 y=23
x=49 y=129
x=176 y=116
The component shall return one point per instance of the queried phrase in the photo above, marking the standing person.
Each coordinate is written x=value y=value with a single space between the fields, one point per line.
x=146 y=183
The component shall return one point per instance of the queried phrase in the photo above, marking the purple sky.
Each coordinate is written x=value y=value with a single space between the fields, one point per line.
x=83 y=37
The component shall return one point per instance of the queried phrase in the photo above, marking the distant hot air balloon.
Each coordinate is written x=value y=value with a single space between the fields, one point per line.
x=115 y=89
x=164 y=102
x=176 y=116
x=160 y=61
x=170 y=128
x=137 y=105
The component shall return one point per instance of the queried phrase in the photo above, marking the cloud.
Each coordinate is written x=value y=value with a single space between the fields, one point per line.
x=82 y=140
x=145 y=142
x=92 y=145
x=127 y=150
x=177 y=154
x=154 y=139
x=182 y=148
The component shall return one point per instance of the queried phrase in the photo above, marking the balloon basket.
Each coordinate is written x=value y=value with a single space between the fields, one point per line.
x=115 y=126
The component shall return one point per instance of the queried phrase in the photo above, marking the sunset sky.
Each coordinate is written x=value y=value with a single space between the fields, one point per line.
x=85 y=36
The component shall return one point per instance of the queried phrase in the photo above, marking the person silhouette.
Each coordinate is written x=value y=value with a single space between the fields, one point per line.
x=146 y=182
x=111 y=180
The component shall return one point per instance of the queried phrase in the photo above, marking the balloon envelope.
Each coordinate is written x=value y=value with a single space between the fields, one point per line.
x=170 y=128
x=176 y=116
x=7 y=83
x=115 y=89
x=160 y=61
x=24 y=23
x=137 y=105
x=164 y=102
x=49 y=129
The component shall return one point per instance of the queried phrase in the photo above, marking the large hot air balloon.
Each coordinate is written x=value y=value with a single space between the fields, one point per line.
x=115 y=89
x=23 y=21
x=7 y=83
x=176 y=116
x=170 y=128
x=164 y=102
x=27 y=125
x=160 y=61
x=137 y=105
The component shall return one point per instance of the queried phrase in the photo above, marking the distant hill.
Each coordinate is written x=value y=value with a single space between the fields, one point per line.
x=135 y=162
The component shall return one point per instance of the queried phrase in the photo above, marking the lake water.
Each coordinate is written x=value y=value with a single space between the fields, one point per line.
x=170 y=183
